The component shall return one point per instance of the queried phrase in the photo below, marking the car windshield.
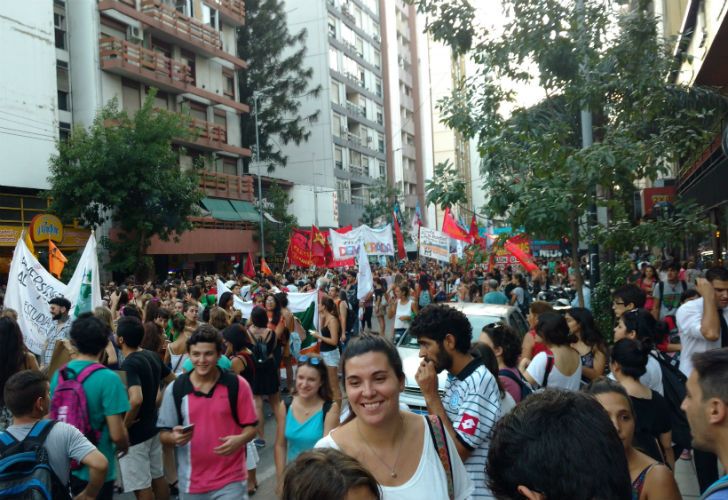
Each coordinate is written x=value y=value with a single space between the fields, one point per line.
x=477 y=322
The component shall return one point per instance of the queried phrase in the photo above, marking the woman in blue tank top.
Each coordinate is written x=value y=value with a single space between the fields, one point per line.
x=310 y=415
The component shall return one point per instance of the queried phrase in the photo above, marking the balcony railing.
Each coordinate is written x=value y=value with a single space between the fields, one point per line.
x=232 y=10
x=357 y=170
x=209 y=132
x=173 y=20
x=158 y=66
x=356 y=109
x=229 y=186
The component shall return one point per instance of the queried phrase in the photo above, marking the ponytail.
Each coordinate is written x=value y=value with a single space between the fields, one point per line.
x=632 y=356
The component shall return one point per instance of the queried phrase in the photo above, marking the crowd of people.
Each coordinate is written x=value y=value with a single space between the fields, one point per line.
x=164 y=388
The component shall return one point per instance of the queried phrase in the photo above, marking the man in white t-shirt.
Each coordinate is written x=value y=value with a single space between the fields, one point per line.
x=470 y=406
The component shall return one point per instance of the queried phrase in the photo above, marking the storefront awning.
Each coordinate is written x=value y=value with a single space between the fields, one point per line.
x=220 y=209
x=246 y=211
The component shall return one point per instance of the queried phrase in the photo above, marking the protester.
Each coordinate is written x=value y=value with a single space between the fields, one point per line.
x=627 y=298
x=343 y=478
x=532 y=343
x=380 y=304
x=105 y=394
x=639 y=324
x=527 y=454
x=401 y=310
x=27 y=397
x=262 y=343
x=406 y=453
x=494 y=296
x=560 y=366
x=650 y=479
x=666 y=294
x=310 y=415
x=470 y=405
x=485 y=352
x=14 y=357
x=60 y=308
x=653 y=434
x=590 y=344
x=706 y=407
x=209 y=415
x=507 y=347
x=141 y=468
x=647 y=284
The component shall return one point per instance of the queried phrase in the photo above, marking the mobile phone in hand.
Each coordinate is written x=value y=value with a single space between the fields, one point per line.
x=187 y=428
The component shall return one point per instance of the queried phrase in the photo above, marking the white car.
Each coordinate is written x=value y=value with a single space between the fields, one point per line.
x=479 y=315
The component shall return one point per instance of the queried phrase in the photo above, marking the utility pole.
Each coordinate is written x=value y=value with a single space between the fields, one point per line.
x=256 y=95
x=315 y=190
x=587 y=139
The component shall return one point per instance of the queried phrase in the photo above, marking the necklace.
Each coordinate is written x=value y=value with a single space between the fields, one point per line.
x=392 y=471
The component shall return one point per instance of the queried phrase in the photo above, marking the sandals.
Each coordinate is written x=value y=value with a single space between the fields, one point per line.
x=252 y=491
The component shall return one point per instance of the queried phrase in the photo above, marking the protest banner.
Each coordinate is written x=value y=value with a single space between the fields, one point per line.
x=31 y=286
x=376 y=242
x=434 y=244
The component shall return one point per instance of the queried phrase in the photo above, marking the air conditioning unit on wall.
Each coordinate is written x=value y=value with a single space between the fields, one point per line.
x=134 y=34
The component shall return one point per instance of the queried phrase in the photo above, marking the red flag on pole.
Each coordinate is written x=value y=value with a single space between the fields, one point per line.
x=249 y=268
x=525 y=259
x=401 y=253
x=452 y=229
x=299 y=253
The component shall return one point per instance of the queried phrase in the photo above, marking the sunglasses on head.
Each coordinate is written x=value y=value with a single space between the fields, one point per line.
x=310 y=359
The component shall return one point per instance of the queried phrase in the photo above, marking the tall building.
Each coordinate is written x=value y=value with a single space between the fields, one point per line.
x=34 y=110
x=345 y=155
x=407 y=101
x=700 y=29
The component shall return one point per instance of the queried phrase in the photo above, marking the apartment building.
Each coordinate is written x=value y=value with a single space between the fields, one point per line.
x=33 y=92
x=407 y=102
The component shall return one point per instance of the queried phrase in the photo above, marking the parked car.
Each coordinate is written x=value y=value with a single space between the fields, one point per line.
x=479 y=315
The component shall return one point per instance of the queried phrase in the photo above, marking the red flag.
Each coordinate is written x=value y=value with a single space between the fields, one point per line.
x=474 y=233
x=317 y=243
x=264 y=268
x=400 y=240
x=525 y=259
x=249 y=268
x=452 y=229
x=299 y=253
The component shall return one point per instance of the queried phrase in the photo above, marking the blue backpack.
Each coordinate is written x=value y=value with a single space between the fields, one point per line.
x=25 y=472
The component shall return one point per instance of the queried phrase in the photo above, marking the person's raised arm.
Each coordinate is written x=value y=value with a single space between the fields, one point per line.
x=710 y=322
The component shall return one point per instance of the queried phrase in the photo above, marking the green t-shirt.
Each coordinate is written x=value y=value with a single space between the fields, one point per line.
x=223 y=363
x=105 y=395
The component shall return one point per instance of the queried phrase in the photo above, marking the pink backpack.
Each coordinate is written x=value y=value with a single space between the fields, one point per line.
x=69 y=403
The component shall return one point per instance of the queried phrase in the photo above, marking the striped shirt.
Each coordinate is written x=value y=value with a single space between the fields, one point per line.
x=472 y=403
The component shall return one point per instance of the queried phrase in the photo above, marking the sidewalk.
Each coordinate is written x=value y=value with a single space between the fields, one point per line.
x=687 y=480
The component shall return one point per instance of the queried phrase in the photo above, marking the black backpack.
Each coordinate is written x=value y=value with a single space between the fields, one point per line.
x=259 y=350
x=183 y=386
x=673 y=385
x=525 y=388
x=25 y=472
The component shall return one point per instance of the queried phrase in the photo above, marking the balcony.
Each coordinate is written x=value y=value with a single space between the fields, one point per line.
x=233 y=187
x=231 y=11
x=168 y=24
x=155 y=69
x=211 y=137
x=357 y=170
x=356 y=109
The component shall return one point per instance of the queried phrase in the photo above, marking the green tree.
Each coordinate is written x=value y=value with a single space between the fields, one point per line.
x=278 y=233
x=446 y=189
x=276 y=71
x=382 y=196
x=536 y=173
x=124 y=170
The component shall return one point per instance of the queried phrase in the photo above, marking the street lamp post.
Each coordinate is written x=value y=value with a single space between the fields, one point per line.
x=256 y=96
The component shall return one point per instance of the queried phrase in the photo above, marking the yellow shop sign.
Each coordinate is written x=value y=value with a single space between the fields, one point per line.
x=46 y=227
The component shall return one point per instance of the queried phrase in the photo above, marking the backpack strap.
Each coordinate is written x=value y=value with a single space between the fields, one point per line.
x=39 y=433
x=549 y=367
x=231 y=381
x=181 y=387
x=661 y=287
x=437 y=432
x=88 y=371
x=512 y=376
x=326 y=407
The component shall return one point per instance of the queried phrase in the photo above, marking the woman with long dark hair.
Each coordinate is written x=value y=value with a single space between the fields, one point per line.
x=647 y=283
x=639 y=324
x=650 y=479
x=328 y=338
x=589 y=343
x=14 y=357
x=507 y=348
x=560 y=367
x=266 y=382
x=398 y=447
x=653 y=434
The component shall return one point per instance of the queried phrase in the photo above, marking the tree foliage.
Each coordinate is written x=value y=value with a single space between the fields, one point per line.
x=278 y=233
x=382 y=197
x=276 y=70
x=536 y=173
x=125 y=170
x=446 y=189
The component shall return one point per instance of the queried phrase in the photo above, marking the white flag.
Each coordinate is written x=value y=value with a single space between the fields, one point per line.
x=364 y=276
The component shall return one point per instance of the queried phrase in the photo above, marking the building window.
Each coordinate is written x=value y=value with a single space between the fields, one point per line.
x=64 y=131
x=332 y=26
x=230 y=166
x=343 y=191
x=229 y=88
x=59 y=24
x=382 y=169
x=335 y=93
x=64 y=88
x=378 y=86
x=333 y=59
x=380 y=143
x=130 y=98
x=188 y=58
x=338 y=125
x=339 y=158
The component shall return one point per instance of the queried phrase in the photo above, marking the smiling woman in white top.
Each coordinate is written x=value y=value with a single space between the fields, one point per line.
x=399 y=448
x=561 y=367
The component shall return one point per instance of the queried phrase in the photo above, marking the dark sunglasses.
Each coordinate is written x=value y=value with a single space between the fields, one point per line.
x=310 y=359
